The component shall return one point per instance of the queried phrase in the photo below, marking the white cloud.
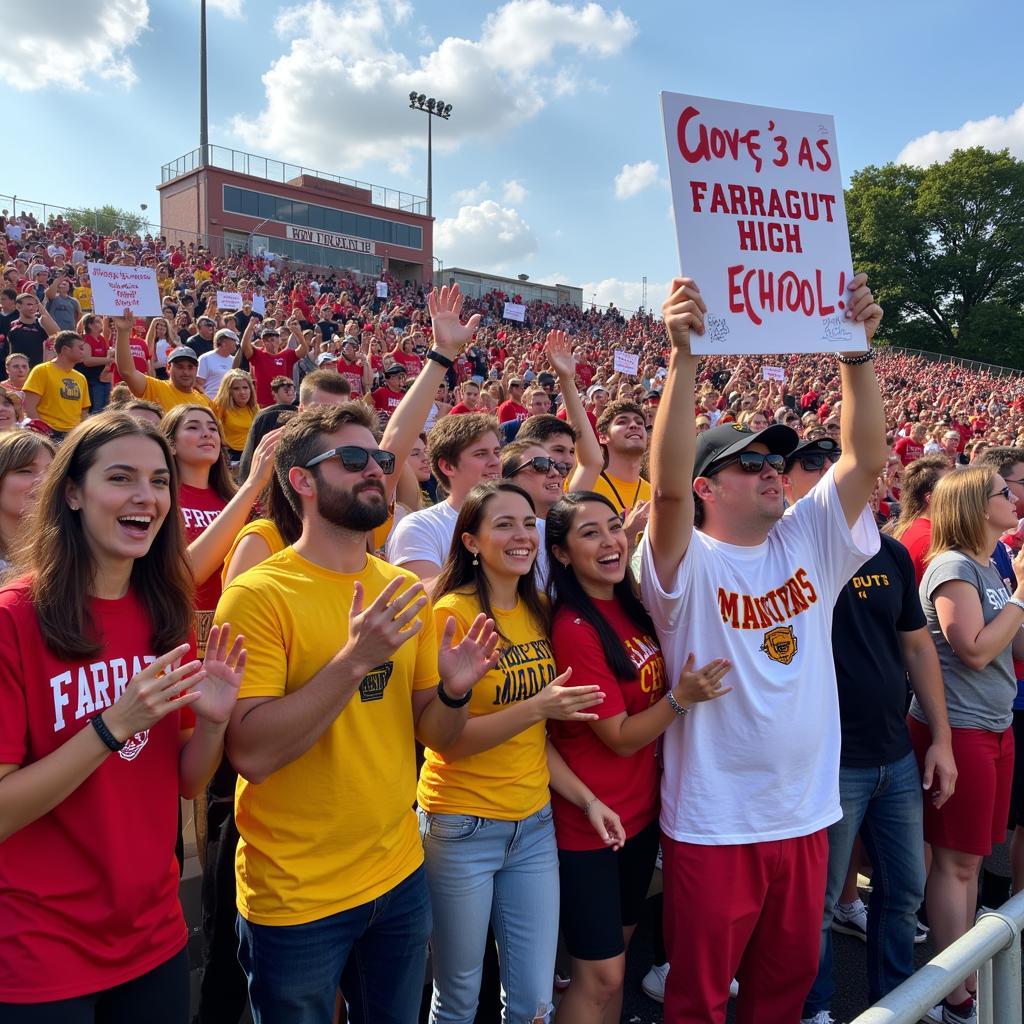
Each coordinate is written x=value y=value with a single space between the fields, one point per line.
x=339 y=96
x=472 y=196
x=625 y=294
x=991 y=132
x=513 y=191
x=229 y=8
x=634 y=178
x=68 y=49
x=484 y=237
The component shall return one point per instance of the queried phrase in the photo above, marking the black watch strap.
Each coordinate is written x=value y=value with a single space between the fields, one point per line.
x=452 y=702
x=440 y=359
x=106 y=735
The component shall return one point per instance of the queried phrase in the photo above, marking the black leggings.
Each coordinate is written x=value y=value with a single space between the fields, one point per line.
x=161 y=996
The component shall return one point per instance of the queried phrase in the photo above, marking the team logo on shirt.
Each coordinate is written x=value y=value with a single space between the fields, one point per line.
x=780 y=644
x=133 y=747
x=373 y=685
x=70 y=390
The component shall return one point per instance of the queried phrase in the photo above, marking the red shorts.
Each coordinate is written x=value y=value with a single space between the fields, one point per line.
x=752 y=912
x=973 y=819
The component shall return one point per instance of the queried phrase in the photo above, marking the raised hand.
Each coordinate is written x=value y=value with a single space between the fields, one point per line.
x=461 y=666
x=263 y=458
x=450 y=334
x=375 y=633
x=703 y=684
x=862 y=306
x=125 y=322
x=560 y=354
x=223 y=666
x=683 y=311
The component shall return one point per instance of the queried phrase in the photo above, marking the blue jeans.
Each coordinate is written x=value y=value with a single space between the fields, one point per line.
x=376 y=953
x=99 y=394
x=884 y=805
x=482 y=870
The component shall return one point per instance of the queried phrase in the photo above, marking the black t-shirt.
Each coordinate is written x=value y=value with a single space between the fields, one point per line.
x=874 y=607
x=199 y=345
x=28 y=339
x=328 y=329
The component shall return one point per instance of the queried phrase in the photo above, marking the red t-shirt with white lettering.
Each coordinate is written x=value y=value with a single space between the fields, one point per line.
x=412 y=362
x=88 y=891
x=629 y=785
x=386 y=400
x=199 y=507
x=266 y=367
x=908 y=450
x=353 y=373
x=140 y=357
x=511 y=410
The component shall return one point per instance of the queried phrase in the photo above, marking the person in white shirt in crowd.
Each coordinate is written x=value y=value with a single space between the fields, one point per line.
x=213 y=365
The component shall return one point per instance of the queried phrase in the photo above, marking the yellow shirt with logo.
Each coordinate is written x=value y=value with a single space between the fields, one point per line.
x=63 y=395
x=167 y=396
x=509 y=782
x=335 y=828
x=84 y=297
x=235 y=422
x=629 y=492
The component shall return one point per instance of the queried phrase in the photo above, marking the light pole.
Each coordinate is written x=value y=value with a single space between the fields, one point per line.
x=432 y=108
x=204 y=130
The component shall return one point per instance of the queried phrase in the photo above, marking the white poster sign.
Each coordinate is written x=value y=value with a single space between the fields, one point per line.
x=259 y=305
x=627 y=362
x=761 y=225
x=774 y=373
x=514 y=311
x=229 y=300
x=116 y=288
x=382 y=289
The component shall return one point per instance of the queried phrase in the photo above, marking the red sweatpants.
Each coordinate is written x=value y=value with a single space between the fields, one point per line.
x=751 y=912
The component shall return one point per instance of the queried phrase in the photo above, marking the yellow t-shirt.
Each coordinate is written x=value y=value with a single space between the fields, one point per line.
x=235 y=423
x=629 y=493
x=509 y=782
x=264 y=528
x=84 y=297
x=64 y=395
x=167 y=396
x=335 y=828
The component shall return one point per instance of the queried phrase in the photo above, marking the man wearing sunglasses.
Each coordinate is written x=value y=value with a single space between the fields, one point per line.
x=344 y=673
x=750 y=781
x=807 y=463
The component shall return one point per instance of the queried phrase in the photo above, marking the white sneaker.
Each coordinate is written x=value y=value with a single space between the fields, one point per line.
x=654 y=982
x=821 y=1017
x=851 y=920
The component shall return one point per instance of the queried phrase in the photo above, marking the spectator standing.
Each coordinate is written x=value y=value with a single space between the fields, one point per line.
x=55 y=391
x=214 y=365
x=31 y=331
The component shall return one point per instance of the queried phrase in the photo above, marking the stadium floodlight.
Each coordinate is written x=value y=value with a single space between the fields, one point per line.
x=433 y=108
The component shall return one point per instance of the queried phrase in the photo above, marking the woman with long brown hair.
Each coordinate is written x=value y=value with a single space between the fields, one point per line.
x=101 y=692
x=24 y=458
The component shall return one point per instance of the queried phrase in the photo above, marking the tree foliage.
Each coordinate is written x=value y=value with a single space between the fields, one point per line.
x=944 y=250
x=106 y=220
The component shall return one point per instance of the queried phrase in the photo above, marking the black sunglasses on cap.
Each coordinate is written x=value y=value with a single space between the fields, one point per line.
x=751 y=462
x=354 y=458
x=542 y=464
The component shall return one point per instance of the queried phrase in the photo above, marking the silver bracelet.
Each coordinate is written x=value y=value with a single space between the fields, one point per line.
x=676 y=706
x=586 y=807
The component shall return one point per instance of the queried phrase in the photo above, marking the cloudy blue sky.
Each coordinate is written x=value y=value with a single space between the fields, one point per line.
x=553 y=162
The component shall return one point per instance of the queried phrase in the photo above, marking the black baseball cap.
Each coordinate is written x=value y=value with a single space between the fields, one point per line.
x=394 y=370
x=826 y=445
x=720 y=443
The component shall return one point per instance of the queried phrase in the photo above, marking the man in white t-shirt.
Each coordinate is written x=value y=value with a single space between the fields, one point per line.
x=750 y=780
x=464 y=451
x=215 y=364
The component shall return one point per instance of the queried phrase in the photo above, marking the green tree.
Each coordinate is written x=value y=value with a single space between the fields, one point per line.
x=944 y=250
x=107 y=219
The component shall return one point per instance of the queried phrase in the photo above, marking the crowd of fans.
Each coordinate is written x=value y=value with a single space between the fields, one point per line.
x=257 y=556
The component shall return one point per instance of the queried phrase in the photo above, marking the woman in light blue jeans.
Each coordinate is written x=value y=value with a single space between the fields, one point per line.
x=485 y=811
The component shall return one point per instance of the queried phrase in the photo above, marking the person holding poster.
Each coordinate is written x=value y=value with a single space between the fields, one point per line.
x=750 y=781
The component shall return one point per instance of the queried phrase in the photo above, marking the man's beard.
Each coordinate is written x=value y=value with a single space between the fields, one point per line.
x=347 y=510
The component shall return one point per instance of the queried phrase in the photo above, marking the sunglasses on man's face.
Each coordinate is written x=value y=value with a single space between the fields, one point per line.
x=543 y=464
x=813 y=462
x=354 y=458
x=752 y=462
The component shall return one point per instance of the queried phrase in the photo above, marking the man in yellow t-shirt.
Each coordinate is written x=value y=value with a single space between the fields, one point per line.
x=182 y=368
x=55 y=391
x=342 y=676
x=622 y=432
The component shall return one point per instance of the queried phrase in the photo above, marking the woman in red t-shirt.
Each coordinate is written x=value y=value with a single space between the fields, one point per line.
x=600 y=629
x=90 y=924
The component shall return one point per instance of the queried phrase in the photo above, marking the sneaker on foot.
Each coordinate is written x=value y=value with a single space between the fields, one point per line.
x=921 y=934
x=851 y=919
x=821 y=1017
x=654 y=982
x=965 y=1013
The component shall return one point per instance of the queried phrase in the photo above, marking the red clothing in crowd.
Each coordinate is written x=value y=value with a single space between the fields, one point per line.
x=412 y=362
x=563 y=415
x=353 y=373
x=916 y=540
x=512 y=411
x=265 y=368
x=908 y=450
x=140 y=356
x=88 y=891
x=629 y=784
x=199 y=507
x=386 y=401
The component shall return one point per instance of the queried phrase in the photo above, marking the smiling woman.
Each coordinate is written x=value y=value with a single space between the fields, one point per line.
x=96 y=741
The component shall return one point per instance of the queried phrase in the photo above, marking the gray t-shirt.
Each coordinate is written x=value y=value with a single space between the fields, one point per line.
x=65 y=311
x=975 y=698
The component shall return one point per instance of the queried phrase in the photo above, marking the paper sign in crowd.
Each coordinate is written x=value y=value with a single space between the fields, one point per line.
x=627 y=362
x=761 y=225
x=514 y=311
x=774 y=373
x=116 y=288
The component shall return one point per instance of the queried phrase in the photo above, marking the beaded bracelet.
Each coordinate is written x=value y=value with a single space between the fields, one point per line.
x=856 y=360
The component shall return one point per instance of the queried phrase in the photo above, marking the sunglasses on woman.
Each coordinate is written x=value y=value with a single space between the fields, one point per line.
x=542 y=464
x=1003 y=493
x=354 y=458
x=752 y=462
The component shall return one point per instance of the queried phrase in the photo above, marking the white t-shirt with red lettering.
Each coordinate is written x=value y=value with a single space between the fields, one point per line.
x=760 y=763
x=88 y=891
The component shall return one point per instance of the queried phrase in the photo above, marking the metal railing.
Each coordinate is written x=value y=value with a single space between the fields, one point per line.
x=991 y=947
x=278 y=170
x=942 y=357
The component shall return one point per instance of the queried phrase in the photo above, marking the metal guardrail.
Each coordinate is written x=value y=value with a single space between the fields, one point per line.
x=278 y=170
x=943 y=357
x=991 y=947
